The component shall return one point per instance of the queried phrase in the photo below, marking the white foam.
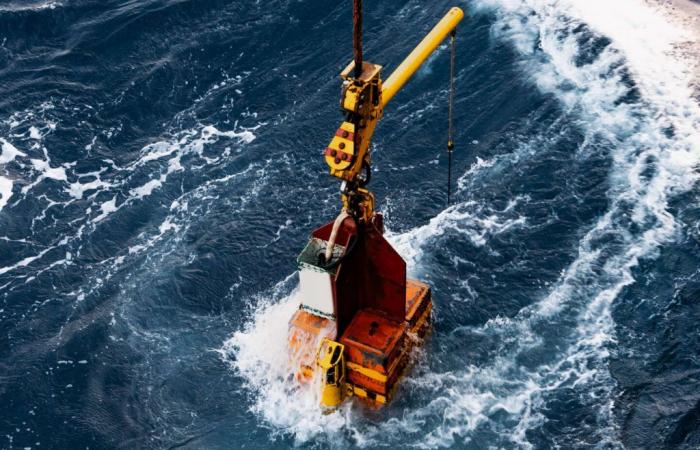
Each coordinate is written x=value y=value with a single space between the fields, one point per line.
x=34 y=133
x=470 y=220
x=5 y=191
x=637 y=141
x=168 y=225
x=158 y=150
x=77 y=190
x=37 y=6
x=9 y=152
x=188 y=144
x=44 y=166
x=89 y=146
x=148 y=188
x=463 y=399
x=28 y=260
x=106 y=209
x=246 y=136
x=260 y=354
x=191 y=143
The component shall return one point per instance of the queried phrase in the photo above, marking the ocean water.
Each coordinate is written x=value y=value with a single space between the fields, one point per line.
x=161 y=168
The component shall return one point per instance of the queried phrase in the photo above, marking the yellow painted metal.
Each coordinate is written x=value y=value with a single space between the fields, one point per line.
x=364 y=99
x=419 y=54
x=331 y=362
x=360 y=97
x=373 y=374
x=361 y=201
x=342 y=148
x=362 y=393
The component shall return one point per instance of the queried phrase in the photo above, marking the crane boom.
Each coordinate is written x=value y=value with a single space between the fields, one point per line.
x=417 y=57
x=363 y=98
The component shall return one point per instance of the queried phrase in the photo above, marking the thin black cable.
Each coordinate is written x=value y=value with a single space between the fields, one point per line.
x=450 y=142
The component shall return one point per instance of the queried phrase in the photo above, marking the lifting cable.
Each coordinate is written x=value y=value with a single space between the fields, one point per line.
x=450 y=141
x=357 y=56
x=357 y=36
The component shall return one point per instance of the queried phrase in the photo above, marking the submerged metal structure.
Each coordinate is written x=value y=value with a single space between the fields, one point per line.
x=359 y=316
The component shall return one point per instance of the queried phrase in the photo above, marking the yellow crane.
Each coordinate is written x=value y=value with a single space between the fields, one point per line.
x=359 y=315
x=363 y=99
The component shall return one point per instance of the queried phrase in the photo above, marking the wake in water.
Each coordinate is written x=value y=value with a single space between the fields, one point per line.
x=627 y=95
x=29 y=6
x=109 y=188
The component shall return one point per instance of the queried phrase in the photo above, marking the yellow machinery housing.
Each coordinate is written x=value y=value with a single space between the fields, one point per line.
x=331 y=364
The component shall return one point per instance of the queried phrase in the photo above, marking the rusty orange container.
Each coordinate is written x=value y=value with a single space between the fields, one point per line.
x=373 y=349
x=419 y=305
x=378 y=348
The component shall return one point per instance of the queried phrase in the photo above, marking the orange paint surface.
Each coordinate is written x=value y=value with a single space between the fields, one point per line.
x=372 y=340
x=418 y=299
x=305 y=333
x=377 y=343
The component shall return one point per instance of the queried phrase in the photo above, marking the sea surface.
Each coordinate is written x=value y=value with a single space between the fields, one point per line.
x=161 y=168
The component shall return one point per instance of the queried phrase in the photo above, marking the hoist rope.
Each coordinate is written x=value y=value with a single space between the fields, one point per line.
x=357 y=36
x=450 y=141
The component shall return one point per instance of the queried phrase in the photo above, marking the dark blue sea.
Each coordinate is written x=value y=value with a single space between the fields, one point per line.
x=161 y=169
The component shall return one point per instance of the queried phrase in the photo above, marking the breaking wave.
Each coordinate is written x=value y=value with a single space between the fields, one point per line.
x=627 y=93
x=29 y=6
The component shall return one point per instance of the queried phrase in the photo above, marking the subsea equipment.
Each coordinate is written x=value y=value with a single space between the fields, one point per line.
x=359 y=316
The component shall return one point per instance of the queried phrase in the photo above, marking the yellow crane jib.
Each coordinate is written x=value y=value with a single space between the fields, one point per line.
x=417 y=57
x=363 y=99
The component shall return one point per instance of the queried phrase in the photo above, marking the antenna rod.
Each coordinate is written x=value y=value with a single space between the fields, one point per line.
x=357 y=36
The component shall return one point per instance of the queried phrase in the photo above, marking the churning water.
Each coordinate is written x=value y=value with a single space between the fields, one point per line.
x=161 y=169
